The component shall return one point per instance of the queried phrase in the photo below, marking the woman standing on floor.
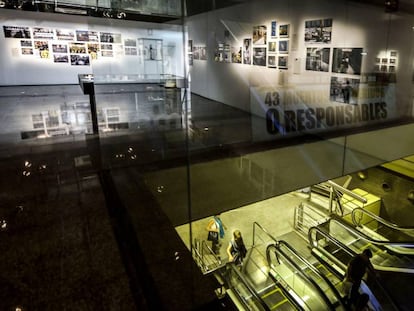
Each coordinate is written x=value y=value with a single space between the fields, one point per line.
x=236 y=249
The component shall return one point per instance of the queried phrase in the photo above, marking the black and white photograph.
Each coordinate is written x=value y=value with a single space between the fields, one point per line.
x=16 y=32
x=283 y=46
x=393 y=60
x=393 y=53
x=109 y=37
x=218 y=54
x=65 y=34
x=273 y=29
x=190 y=45
x=347 y=60
x=196 y=52
x=344 y=90
x=282 y=62
x=130 y=51
x=27 y=51
x=107 y=47
x=391 y=69
x=79 y=60
x=272 y=47
x=271 y=61
x=60 y=58
x=383 y=68
x=87 y=36
x=259 y=56
x=284 y=31
x=259 y=35
x=203 y=53
x=318 y=31
x=43 y=33
x=190 y=60
x=130 y=42
x=107 y=53
x=247 y=51
x=317 y=59
x=377 y=59
x=77 y=48
x=59 y=48
x=26 y=43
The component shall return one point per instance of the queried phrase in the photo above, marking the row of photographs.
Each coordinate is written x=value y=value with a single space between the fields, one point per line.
x=24 y=32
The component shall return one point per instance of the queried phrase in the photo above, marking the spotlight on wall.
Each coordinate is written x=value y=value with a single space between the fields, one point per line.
x=121 y=15
x=391 y=5
x=410 y=196
x=362 y=175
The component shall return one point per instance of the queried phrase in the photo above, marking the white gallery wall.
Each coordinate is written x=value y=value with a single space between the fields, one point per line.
x=381 y=37
x=18 y=68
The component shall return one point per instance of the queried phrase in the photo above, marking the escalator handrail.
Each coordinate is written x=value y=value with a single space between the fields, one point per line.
x=380 y=219
x=252 y=291
x=264 y=230
x=300 y=272
x=311 y=267
x=331 y=238
x=344 y=224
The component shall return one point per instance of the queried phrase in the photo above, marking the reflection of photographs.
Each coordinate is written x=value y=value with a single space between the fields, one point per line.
x=24 y=43
x=190 y=45
x=377 y=59
x=60 y=58
x=283 y=46
x=391 y=68
x=27 y=51
x=384 y=60
x=392 y=60
x=272 y=47
x=247 y=51
x=383 y=68
x=344 y=90
x=64 y=34
x=318 y=31
x=196 y=52
x=107 y=54
x=190 y=59
x=130 y=51
x=236 y=54
x=79 y=60
x=282 y=62
x=271 y=61
x=284 y=31
x=393 y=53
x=273 y=30
x=203 y=53
x=259 y=34
x=111 y=37
x=259 y=56
x=130 y=42
x=376 y=68
x=78 y=48
x=106 y=47
x=317 y=59
x=42 y=33
x=59 y=48
x=16 y=32
x=347 y=60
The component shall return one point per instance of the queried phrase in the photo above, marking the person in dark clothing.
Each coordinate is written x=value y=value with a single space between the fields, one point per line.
x=356 y=270
x=236 y=249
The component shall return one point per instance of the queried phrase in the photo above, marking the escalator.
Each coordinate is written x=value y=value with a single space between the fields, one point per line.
x=384 y=258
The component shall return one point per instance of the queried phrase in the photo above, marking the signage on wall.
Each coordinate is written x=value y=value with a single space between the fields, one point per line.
x=284 y=111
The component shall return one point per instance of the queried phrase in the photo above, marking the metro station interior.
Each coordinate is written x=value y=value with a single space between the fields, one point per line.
x=126 y=126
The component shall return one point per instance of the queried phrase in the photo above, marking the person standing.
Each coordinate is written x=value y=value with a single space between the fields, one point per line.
x=215 y=230
x=236 y=249
x=357 y=267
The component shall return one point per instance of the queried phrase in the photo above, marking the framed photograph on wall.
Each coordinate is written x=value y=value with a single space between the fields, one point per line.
x=344 y=90
x=384 y=60
x=272 y=47
x=318 y=31
x=284 y=31
x=17 y=32
x=317 y=59
x=283 y=46
x=273 y=29
x=259 y=56
x=347 y=60
x=271 y=61
x=259 y=35
x=236 y=54
x=393 y=53
x=282 y=62
x=247 y=51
